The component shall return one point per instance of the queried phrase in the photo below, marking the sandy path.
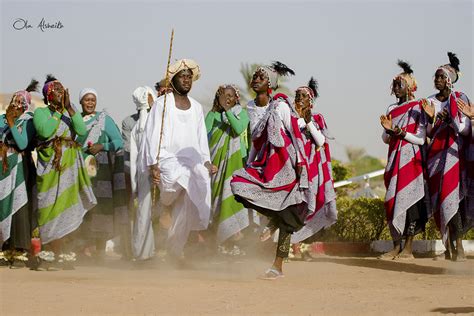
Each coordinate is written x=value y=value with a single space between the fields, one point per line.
x=329 y=285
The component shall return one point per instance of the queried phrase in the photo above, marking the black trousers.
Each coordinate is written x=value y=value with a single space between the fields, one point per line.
x=288 y=221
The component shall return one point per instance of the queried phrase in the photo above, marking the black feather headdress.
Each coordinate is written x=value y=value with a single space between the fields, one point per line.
x=453 y=61
x=405 y=66
x=49 y=78
x=33 y=86
x=282 y=69
x=313 y=85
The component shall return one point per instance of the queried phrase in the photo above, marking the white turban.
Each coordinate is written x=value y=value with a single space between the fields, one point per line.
x=140 y=98
x=182 y=64
x=86 y=91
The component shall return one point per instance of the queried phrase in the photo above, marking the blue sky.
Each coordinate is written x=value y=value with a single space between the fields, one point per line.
x=351 y=47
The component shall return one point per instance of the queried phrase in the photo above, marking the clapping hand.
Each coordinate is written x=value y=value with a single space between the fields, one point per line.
x=428 y=107
x=465 y=108
x=444 y=116
x=386 y=121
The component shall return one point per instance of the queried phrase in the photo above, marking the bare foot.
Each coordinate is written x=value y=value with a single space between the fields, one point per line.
x=461 y=256
x=389 y=255
x=443 y=256
x=404 y=256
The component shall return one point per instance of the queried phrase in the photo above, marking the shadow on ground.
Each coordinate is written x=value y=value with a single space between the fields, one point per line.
x=399 y=266
x=454 y=310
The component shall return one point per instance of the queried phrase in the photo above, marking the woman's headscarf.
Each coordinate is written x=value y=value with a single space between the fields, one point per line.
x=25 y=94
x=87 y=91
x=48 y=86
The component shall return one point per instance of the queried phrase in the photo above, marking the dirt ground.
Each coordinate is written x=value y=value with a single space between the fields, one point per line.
x=326 y=286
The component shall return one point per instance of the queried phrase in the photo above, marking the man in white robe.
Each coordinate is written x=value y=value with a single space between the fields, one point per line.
x=182 y=170
x=142 y=244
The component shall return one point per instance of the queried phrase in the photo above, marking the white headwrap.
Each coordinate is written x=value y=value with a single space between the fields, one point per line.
x=451 y=74
x=86 y=91
x=271 y=74
x=140 y=98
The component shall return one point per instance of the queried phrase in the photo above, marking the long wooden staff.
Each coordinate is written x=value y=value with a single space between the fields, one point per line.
x=164 y=109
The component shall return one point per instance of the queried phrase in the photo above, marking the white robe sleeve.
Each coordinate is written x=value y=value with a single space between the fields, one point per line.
x=419 y=137
x=134 y=146
x=151 y=137
x=316 y=133
x=416 y=139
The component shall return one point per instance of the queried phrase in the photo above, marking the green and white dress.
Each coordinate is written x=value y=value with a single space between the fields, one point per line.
x=17 y=174
x=228 y=147
x=64 y=187
x=107 y=219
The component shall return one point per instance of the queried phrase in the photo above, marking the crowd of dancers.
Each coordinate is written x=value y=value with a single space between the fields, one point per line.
x=171 y=168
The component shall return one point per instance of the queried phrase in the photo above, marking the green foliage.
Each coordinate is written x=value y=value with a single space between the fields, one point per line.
x=365 y=165
x=431 y=232
x=363 y=220
x=340 y=171
x=360 y=219
x=469 y=235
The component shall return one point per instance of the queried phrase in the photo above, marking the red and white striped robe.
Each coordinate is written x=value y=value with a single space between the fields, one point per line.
x=320 y=195
x=403 y=177
x=446 y=167
x=271 y=181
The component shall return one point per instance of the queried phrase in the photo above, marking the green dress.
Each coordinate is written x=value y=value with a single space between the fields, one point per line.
x=111 y=213
x=64 y=187
x=228 y=147
x=17 y=176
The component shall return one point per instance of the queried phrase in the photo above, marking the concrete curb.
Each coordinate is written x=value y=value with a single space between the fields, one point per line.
x=421 y=246
x=380 y=246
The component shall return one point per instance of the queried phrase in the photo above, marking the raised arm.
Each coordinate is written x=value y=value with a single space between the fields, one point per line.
x=78 y=124
x=209 y=120
x=23 y=138
x=45 y=122
x=240 y=124
x=316 y=134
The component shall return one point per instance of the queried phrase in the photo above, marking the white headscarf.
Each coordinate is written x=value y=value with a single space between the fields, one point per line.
x=86 y=91
x=140 y=98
